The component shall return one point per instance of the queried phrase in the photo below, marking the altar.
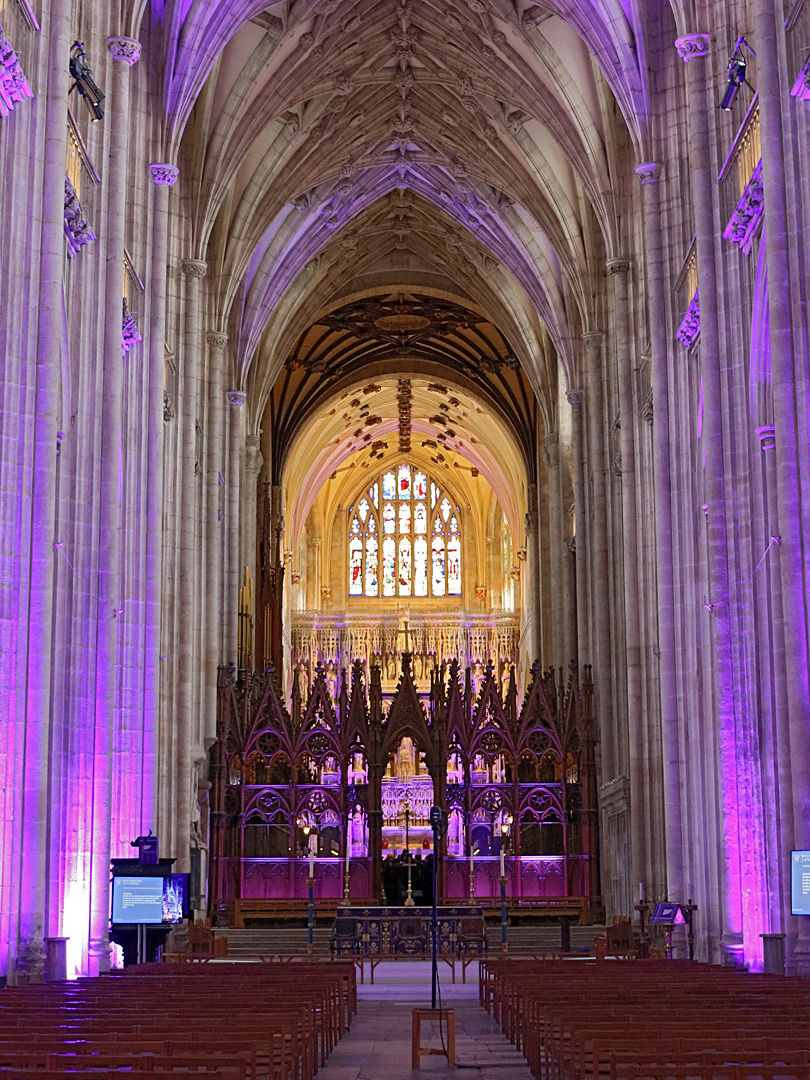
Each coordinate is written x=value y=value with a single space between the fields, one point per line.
x=405 y=931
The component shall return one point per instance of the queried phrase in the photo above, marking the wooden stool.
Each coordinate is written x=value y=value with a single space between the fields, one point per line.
x=447 y=1016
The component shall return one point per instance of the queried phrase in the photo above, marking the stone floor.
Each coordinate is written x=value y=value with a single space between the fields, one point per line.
x=378 y=1047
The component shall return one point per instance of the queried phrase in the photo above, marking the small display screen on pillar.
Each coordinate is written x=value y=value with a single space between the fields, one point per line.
x=154 y=901
x=800 y=882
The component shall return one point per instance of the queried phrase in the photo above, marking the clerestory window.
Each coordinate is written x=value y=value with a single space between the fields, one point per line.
x=404 y=537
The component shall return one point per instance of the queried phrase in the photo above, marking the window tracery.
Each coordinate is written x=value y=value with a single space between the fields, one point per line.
x=404 y=537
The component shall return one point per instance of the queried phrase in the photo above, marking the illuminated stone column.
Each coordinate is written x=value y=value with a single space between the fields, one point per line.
x=188 y=633
x=772 y=629
x=657 y=300
x=236 y=440
x=215 y=527
x=109 y=604
x=575 y=398
x=164 y=178
x=786 y=374
x=30 y=844
x=726 y=726
x=619 y=270
x=599 y=552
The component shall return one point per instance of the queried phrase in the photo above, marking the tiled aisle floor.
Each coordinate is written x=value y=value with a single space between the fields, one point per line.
x=378 y=1047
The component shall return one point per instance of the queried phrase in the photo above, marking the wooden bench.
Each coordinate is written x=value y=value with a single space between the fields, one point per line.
x=264 y=910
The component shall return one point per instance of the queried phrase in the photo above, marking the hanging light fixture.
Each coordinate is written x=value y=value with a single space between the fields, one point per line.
x=82 y=75
x=736 y=72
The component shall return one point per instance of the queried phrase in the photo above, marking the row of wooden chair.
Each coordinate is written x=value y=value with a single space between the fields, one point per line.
x=649 y=1020
x=237 y=1021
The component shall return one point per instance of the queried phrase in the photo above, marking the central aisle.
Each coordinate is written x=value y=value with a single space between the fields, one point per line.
x=378 y=1047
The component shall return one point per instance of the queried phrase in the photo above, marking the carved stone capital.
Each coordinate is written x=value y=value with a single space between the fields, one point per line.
x=217 y=341
x=649 y=172
x=693 y=46
x=575 y=397
x=237 y=398
x=767 y=437
x=618 y=266
x=164 y=174
x=194 y=268
x=124 y=48
x=593 y=339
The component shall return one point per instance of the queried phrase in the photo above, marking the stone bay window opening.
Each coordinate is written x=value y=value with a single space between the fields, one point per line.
x=404 y=537
x=350 y=782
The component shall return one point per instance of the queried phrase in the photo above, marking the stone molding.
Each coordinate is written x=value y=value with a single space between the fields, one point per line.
x=164 y=174
x=689 y=329
x=648 y=173
x=194 y=268
x=14 y=87
x=693 y=46
x=593 y=339
x=748 y=213
x=767 y=437
x=575 y=397
x=236 y=397
x=618 y=266
x=216 y=341
x=124 y=48
x=77 y=227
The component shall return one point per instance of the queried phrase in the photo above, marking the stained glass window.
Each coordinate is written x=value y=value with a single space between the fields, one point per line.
x=389 y=565
x=404 y=484
x=421 y=544
x=405 y=518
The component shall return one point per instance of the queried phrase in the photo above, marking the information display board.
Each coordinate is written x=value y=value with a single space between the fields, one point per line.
x=800 y=882
x=150 y=901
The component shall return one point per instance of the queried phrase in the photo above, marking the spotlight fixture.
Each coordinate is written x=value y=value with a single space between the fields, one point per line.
x=735 y=72
x=82 y=75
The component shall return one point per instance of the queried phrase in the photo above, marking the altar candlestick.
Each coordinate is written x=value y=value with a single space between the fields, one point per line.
x=503 y=865
x=311 y=864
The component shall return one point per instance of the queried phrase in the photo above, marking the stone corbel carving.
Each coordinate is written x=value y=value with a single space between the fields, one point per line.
x=130 y=335
x=745 y=220
x=14 y=86
x=169 y=411
x=77 y=227
x=690 y=327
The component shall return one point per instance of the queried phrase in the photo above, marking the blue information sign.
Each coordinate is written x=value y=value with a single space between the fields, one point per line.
x=800 y=882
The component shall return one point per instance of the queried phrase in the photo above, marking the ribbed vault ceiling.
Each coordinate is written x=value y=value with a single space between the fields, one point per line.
x=337 y=152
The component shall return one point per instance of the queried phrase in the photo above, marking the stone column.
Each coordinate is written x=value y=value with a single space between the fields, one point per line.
x=619 y=270
x=559 y=549
x=533 y=564
x=250 y=501
x=27 y=960
x=215 y=478
x=775 y=617
x=649 y=175
x=187 y=644
x=784 y=376
x=236 y=440
x=694 y=47
x=109 y=602
x=599 y=550
x=575 y=398
x=164 y=177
